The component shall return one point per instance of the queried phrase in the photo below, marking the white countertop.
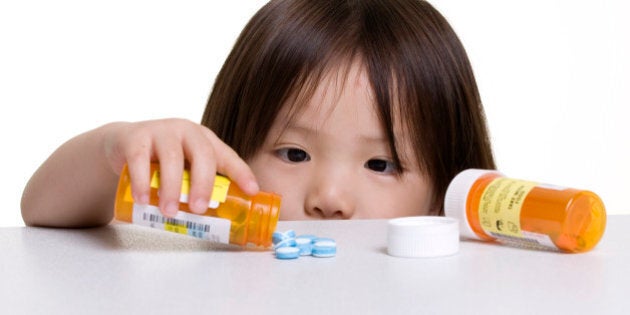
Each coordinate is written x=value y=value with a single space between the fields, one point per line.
x=124 y=268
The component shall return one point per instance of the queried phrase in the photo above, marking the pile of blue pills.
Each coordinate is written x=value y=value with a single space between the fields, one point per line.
x=289 y=246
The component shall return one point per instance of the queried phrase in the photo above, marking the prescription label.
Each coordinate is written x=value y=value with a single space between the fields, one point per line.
x=203 y=227
x=219 y=191
x=500 y=206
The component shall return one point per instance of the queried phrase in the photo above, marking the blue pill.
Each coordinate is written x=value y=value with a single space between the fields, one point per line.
x=287 y=253
x=325 y=248
x=304 y=245
x=311 y=237
x=278 y=237
x=323 y=239
x=289 y=242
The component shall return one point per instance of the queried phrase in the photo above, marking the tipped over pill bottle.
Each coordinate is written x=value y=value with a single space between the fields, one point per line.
x=232 y=216
x=527 y=214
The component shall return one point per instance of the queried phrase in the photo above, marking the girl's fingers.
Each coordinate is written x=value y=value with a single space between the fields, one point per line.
x=171 y=142
x=231 y=165
x=171 y=158
x=200 y=155
x=138 y=163
x=208 y=155
x=140 y=180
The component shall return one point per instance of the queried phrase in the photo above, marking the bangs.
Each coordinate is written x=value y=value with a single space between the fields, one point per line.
x=418 y=70
x=332 y=75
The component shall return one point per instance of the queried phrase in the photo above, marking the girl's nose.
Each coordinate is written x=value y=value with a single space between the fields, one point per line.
x=330 y=196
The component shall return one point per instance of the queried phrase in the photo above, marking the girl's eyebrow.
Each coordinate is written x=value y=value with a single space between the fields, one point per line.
x=308 y=130
x=292 y=126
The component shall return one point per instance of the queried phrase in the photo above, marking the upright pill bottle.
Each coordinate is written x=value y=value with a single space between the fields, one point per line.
x=232 y=216
x=491 y=206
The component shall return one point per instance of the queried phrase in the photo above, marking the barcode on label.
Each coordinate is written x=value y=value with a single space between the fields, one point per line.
x=527 y=241
x=155 y=218
x=203 y=227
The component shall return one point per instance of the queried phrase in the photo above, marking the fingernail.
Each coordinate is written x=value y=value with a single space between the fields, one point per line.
x=171 y=209
x=199 y=206
x=142 y=199
x=253 y=187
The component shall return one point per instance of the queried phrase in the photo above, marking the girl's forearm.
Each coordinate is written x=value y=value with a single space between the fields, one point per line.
x=74 y=187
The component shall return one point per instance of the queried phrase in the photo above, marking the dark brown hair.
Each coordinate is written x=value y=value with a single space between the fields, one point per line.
x=415 y=62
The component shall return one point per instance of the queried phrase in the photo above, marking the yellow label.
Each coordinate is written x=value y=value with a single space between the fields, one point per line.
x=174 y=227
x=500 y=206
x=219 y=191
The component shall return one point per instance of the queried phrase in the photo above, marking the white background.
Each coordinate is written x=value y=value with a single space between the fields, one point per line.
x=553 y=76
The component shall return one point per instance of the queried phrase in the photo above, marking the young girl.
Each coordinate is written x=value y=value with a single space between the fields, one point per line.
x=347 y=109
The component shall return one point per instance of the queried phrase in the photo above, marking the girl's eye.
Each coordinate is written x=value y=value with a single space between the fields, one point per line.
x=293 y=155
x=381 y=166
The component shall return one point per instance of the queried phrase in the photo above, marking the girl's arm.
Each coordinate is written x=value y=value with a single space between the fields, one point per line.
x=76 y=185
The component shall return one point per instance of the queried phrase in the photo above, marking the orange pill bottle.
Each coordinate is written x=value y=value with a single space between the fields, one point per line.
x=232 y=216
x=522 y=213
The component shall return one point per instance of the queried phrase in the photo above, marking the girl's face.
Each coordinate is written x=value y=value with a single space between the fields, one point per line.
x=332 y=160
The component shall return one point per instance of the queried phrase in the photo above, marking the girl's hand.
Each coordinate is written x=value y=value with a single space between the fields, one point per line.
x=175 y=144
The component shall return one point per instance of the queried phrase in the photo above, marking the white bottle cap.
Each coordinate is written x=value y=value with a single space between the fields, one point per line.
x=427 y=236
x=455 y=201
